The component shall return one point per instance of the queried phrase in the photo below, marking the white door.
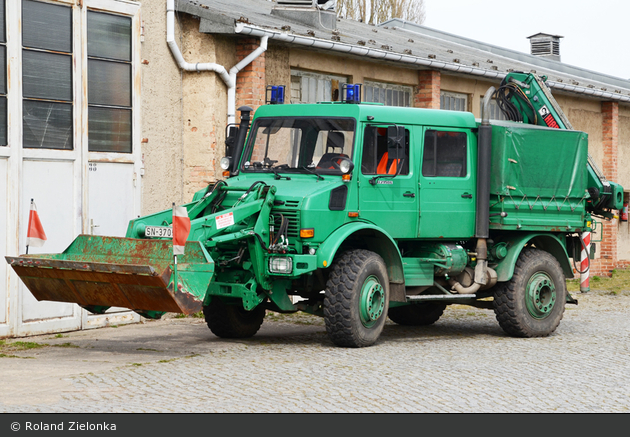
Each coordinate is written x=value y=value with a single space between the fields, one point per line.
x=53 y=186
x=4 y=223
x=71 y=85
x=113 y=201
x=112 y=194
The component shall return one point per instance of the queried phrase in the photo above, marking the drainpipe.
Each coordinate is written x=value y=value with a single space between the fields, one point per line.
x=228 y=78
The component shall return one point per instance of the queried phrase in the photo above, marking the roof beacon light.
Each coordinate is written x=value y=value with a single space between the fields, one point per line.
x=352 y=92
x=275 y=95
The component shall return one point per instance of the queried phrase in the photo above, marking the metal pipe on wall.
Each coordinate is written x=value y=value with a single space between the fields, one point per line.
x=229 y=78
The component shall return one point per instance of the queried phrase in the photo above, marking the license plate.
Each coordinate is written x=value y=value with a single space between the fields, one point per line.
x=158 y=231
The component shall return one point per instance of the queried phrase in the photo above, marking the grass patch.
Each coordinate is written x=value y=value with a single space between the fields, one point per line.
x=24 y=345
x=65 y=345
x=8 y=356
x=136 y=364
x=60 y=336
x=146 y=349
x=617 y=283
x=168 y=361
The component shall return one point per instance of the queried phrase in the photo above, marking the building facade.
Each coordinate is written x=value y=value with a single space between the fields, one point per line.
x=111 y=109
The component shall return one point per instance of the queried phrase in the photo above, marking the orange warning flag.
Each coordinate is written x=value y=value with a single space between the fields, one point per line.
x=35 y=236
x=181 y=228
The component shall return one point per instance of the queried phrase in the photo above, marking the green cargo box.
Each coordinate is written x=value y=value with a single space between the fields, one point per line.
x=538 y=177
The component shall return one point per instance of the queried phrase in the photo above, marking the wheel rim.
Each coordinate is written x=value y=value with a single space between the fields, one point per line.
x=372 y=302
x=541 y=295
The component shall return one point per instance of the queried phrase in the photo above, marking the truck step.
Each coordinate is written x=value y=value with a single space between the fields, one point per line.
x=429 y=297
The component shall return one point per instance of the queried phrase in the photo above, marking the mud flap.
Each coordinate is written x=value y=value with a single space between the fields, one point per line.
x=98 y=272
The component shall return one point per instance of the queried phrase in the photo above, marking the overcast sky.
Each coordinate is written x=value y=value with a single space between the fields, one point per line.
x=596 y=32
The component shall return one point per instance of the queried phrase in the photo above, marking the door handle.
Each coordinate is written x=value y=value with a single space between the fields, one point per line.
x=467 y=196
x=409 y=194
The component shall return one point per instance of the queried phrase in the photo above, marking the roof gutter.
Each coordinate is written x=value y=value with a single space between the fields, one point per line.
x=246 y=29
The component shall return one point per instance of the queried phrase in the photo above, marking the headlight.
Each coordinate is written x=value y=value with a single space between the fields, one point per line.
x=346 y=166
x=225 y=163
x=280 y=264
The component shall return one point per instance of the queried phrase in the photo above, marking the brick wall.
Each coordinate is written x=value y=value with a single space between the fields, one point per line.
x=427 y=94
x=608 y=247
x=250 y=81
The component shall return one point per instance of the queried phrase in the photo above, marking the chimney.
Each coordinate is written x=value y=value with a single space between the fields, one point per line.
x=545 y=46
x=319 y=14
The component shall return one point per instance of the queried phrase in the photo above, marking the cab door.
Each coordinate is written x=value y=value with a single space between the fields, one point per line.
x=388 y=193
x=447 y=183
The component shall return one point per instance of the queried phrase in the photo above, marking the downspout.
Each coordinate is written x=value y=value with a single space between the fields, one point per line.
x=228 y=78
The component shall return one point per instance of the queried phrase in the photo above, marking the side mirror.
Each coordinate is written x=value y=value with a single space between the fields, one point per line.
x=396 y=142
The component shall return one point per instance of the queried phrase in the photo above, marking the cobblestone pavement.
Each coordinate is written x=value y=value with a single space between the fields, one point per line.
x=463 y=363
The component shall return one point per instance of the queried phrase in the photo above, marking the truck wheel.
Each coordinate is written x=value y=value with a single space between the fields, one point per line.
x=421 y=314
x=532 y=303
x=356 y=299
x=232 y=321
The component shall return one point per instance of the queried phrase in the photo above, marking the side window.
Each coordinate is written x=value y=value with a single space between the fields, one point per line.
x=308 y=87
x=388 y=94
x=453 y=101
x=444 y=154
x=376 y=159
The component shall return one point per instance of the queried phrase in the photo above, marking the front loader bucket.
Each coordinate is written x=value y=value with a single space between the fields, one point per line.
x=100 y=272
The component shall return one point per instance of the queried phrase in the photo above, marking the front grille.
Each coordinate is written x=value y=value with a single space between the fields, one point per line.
x=290 y=211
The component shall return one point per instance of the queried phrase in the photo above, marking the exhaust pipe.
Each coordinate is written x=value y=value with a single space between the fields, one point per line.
x=482 y=218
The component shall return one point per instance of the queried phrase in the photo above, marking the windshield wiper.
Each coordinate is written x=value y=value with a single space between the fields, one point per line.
x=277 y=173
x=312 y=172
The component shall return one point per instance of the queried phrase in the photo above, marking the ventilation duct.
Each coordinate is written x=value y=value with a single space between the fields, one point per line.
x=545 y=45
x=319 y=14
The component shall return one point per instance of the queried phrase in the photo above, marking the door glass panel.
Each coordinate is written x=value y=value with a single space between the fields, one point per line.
x=3 y=121
x=3 y=70
x=47 y=75
x=109 y=36
x=47 y=125
x=109 y=84
x=3 y=37
x=109 y=130
x=46 y=26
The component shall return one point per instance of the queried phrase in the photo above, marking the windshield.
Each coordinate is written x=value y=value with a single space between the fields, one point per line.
x=289 y=144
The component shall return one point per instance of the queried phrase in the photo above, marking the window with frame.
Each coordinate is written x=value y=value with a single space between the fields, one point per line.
x=495 y=112
x=109 y=51
x=376 y=160
x=47 y=58
x=453 y=101
x=387 y=93
x=445 y=154
x=308 y=87
x=3 y=76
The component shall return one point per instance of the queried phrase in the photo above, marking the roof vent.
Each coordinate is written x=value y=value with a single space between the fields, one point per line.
x=545 y=45
x=319 y=14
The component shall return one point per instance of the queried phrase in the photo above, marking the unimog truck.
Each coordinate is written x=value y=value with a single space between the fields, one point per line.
x=357 y=212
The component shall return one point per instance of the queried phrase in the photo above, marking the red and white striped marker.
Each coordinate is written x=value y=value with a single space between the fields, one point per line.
x=584 y=265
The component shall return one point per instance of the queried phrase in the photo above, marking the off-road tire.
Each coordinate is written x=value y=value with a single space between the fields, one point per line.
x=232 y=321
x=356 y=299
x=515 y=303
x=421 y=314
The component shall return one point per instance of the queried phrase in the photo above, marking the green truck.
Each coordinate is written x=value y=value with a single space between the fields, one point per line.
x=357 y=212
